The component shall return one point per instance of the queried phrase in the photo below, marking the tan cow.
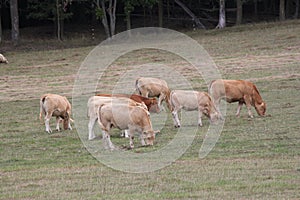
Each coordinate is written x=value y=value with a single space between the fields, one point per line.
x=240 y=91
x=95 y=102
x=151 y=103
x=192 y=100
x=154 y=87
x=3 y=59
x=124 y=116
x=58 y=106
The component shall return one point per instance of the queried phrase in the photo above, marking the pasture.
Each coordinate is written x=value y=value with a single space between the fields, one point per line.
x=253 y=159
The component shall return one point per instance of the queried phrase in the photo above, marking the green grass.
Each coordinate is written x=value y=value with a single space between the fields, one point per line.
x=253 y=159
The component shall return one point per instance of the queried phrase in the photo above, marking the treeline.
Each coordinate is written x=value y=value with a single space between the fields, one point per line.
x=117 y=15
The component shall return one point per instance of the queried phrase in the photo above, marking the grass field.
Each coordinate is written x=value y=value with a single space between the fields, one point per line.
x=253 y=159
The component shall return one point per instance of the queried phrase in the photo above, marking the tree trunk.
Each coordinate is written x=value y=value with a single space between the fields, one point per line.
x=296 y=9
x=112 y=16
x=14 y=21
x=255 y=10
x=239 y=12
x=160 y=13
x=0 y=26
x=222 y=16
x=104 y=18
x=191 y=14
x=58 y=21
x=282 y=10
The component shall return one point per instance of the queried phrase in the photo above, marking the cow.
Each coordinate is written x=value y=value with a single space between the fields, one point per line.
x=192 y=100
x=58 y=106
x=3 y=59
x=241 y=91
x=151 y=103
x=95 y=102
x=124 y=116
x=154 y=87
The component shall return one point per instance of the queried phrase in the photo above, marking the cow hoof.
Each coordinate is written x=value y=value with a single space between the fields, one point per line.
x=177 y=126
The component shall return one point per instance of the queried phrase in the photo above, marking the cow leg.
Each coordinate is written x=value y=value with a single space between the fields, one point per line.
x=199 y=118
x=160 y=99
x=248 y=105
x=131 y=138
x=217 y=104
x=106 y=140
x=239 y=109
x=58 y=120
x=47 y=120
x=91 y=128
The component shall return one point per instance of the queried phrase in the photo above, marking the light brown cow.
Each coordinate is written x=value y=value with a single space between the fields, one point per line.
x=95 y=102
x=151 y=103
x=193 y=100
x=3 y=59
x=58 y=106
x=154 y=87
x=122 y=116
x=240 y=91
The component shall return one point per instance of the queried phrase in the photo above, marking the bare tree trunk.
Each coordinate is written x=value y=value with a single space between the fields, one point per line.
x=282 y=10
x=296 y=9
x=0 y=26
x=112 y=16
x=14 y=21
x=191 y=14
x=222 y=16
x=104 y=17
x=58 y=21
x=255 y=9
x=239 y=12
x=160 y=13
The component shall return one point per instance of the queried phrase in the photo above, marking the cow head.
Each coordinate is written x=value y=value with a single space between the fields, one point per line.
x=149 y=137
x=66 y=121
x=261 y=108
x=211 y=112
x=154 y=108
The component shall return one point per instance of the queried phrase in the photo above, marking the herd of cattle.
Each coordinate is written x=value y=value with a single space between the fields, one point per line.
x=132 y=112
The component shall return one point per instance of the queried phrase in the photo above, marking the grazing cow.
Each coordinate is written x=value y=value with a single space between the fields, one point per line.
x=3 y=59
x=58 y=106
x=95 y=102
x=154 y=87
x=151 y=103
x=192 y=100
x=124 y=116
x=240 y=91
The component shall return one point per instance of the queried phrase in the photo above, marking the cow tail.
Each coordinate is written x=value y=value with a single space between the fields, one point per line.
x=168 y=100
x=42 y=101
x=210 y=87
x=137 y=89
x=99 y=118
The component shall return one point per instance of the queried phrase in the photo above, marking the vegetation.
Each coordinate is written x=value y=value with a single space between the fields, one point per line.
x=253 y=159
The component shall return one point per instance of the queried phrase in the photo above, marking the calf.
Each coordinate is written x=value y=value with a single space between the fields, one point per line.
x=58 y=106
x=154 y=87
x=124 y=116
x=3 y=59
x=95 y=102
x=151 y=103
x=192 y=100
x=243 y=92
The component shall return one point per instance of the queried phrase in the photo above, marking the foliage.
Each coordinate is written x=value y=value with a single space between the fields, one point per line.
x=46 y=10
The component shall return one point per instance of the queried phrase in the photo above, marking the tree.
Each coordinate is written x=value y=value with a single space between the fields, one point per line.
x=160 y=13
x=239 y=12
x=55 y=11
x=282 y=10
x=222 y=16
x=14 y=21
x=102 y=10
x=190 y=13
